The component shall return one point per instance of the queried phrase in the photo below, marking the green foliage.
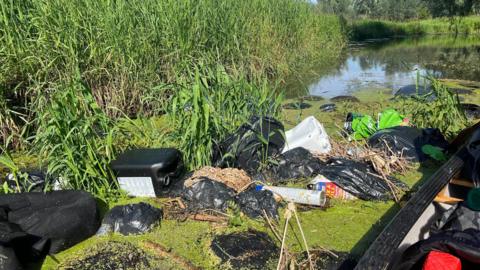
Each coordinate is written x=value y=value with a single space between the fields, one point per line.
x=75 y=140
x=438 y=109
x=125 y=49
x=368 y=28
x=211 y=104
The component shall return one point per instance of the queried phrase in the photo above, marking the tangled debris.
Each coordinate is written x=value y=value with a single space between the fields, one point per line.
x=231 y=177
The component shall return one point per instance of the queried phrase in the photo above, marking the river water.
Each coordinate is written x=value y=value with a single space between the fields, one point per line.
x=392 y=64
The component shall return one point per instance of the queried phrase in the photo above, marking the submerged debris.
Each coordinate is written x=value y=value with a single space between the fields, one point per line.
x=329 y=107
x=297 y=106
x=345 y=99
x=245 y=250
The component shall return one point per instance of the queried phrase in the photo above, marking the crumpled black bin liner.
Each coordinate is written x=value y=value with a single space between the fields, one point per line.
x=208 y=194
x=246 y=149
x=36 y=224
x=252 y=202
x=457 y=218
x=293 y=164
x=130 y=219
x=212 y=195
x=407 y=141
x=359 y=179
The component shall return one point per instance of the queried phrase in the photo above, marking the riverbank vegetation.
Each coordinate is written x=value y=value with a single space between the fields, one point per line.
x=83 y=69
x=372 y=28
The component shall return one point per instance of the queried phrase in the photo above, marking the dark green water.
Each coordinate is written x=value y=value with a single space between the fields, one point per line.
x=392 y=64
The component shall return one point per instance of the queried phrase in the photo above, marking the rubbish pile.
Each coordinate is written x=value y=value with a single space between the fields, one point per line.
x=254 y=170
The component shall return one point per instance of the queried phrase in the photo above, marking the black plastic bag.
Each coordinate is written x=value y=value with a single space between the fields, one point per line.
x=130 y=219
x=34 y=181
x=471 y=169
x=245 y=250
x=8 y=259
x=407 y=141
x=463 y=244
x=293 y=164
x=472 y=111
x=253 y=202
x=36 y=224
x=457 y=218
x=251 y=144
x=208 y=194
x=359 y=179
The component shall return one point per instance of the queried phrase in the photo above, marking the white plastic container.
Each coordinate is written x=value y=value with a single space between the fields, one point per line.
x=298 y=195
x=309 y=134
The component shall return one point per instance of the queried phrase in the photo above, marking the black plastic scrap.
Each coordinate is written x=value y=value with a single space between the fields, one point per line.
x=253 y=202
x=359 y=179
x=33 y=225
x=130 y=219
x=250 y=144
x=245 y=250
x=407 y=141
x=212 y=195
x=208 y=194
x=28 y=181
x=293 y=164
x=471 y=169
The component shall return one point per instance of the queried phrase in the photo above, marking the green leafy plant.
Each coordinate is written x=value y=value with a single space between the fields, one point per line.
x=440 y=108
x=75 y=138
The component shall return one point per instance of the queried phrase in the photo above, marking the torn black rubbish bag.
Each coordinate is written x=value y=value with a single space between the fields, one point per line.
x=250 y=144
x=130 y=219
x=407 y=141
x=208 y=194
x=359 y=179
x=293 y=164
x=253 y=202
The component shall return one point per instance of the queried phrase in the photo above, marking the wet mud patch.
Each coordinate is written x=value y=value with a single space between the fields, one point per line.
x=110 y=256
x=245 y=250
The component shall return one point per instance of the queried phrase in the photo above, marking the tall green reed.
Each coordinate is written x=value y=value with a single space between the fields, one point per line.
x=75 y=140
x=210 y=105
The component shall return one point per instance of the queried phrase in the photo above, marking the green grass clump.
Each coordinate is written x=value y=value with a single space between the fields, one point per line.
x=368 y=29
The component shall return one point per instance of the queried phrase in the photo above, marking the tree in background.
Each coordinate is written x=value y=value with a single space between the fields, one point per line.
x=400 y=9
x=441 y=8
